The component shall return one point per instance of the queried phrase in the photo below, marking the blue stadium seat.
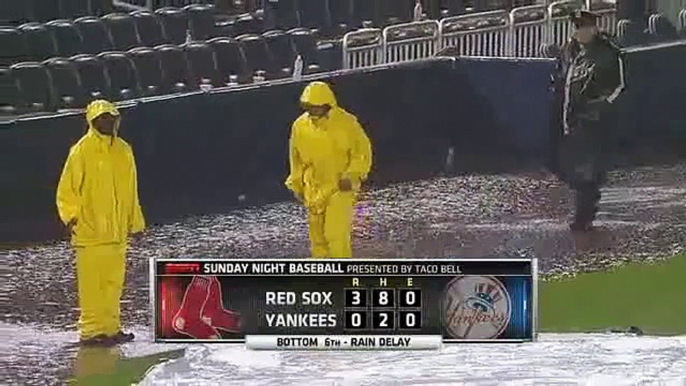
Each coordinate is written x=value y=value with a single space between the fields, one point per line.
x=68 y=90
x=201 y=21
x=281 y=48
x=202 y=64
x=93 y=76
x=330 y=54
x=305 y=44
x=315 y=14
x=231 y=61
x=13 y=46
x=258 y=56
x=247 y=24
x=281 y=14
x=96 y=38
x=67 y=37
x=16 y=12
x=74 y=9
x=364 y=12
x=10 y=98
x=122 y=76
x=149 y=28
x=176 y=76
x=149 y=70
x=342 y=15
x=34 y=86
x=122 y=30
x=395 y=11
x=175 y=24
x=39 y=42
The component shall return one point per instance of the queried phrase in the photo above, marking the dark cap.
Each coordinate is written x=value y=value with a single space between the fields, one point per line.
x=583 y=17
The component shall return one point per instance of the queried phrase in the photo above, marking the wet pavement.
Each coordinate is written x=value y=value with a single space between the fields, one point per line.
x=642 y=217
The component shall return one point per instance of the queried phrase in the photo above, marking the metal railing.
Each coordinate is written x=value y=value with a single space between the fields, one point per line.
x=518 y=33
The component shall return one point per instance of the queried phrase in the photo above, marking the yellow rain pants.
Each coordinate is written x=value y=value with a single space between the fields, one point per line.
x=98 y=190
x=324 y=151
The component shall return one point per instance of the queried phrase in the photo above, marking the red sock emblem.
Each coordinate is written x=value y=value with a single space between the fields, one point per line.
x=187 y=320
x=214 y=312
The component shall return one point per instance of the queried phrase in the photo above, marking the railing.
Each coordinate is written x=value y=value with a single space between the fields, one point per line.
x=518 y=33
x=682 y=21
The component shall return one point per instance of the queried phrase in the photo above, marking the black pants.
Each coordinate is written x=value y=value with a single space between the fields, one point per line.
x=583 y=168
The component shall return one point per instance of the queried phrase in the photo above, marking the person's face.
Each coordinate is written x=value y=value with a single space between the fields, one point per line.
x=585 y=33
x=316 y=111
x=105 y=124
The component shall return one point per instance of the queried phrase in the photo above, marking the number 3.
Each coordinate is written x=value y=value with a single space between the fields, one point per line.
x=356 y=297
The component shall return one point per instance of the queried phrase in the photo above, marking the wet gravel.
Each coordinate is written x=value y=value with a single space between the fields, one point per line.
x=642 y=217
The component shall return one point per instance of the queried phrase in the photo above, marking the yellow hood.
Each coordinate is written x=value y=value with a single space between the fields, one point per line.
x=98 y=108
x=318 y=94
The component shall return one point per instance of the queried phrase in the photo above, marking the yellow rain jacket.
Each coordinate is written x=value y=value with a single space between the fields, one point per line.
x=323 y=151
x=99 y=186
x=99 y=190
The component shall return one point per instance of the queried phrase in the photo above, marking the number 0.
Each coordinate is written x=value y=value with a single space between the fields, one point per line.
x=410 y=298
x=410 y=320
x=356 y=320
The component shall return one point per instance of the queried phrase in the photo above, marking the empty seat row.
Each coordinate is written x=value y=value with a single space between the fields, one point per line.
x=35 y=41
x=63 y=83
x=15 y=12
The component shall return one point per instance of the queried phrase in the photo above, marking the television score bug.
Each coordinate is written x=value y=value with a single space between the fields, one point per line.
x=334 y=304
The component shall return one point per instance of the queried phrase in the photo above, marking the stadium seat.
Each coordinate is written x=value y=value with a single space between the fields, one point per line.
x=96 y=38
x=16 y=12
x=34 y=86
x=174 y=23
x=93 y=76
x=149 y=70
x=455 y=7
x=176 y=75
x=662 y=29
x=67 y=38
x=315 y=14
x=73 y=9
x=330 y=54
x=364 y=12
x=13 y=46
x=39 y=42
x=230 y=60
x=342 y=15
x=44 y=11
x=305 y=44
x=395 y=11
x=258 y=56
x=68 y=90
x=281 y=49
x=247 y=24
x=10 y=99
x=122 y=29
x=201 y=21
x=149 y=28
x=280 y=14
x=202 y=64
x=122 y=75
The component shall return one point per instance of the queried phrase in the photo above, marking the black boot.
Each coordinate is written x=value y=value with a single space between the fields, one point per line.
x=123 y=337
x=101 y=340
x=587 y=198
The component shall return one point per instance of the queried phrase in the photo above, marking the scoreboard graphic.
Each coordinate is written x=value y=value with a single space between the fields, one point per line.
x=344 y=303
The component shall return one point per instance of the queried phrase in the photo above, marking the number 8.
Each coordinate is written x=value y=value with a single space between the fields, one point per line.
x=383 y=298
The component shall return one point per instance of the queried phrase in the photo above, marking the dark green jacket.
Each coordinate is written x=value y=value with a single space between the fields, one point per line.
x=594 y=78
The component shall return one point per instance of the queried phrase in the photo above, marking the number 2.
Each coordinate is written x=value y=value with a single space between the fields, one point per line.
x=384 y=320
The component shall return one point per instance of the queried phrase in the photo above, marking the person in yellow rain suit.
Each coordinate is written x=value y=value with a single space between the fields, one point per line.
x=330 y=158
x=97 y=199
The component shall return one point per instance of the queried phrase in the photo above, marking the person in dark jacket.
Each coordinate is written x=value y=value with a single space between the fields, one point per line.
x=594 y=78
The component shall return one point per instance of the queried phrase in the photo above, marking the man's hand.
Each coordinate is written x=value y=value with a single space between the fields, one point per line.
x=345 y=185
x=298 y=197
x=69 y=228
